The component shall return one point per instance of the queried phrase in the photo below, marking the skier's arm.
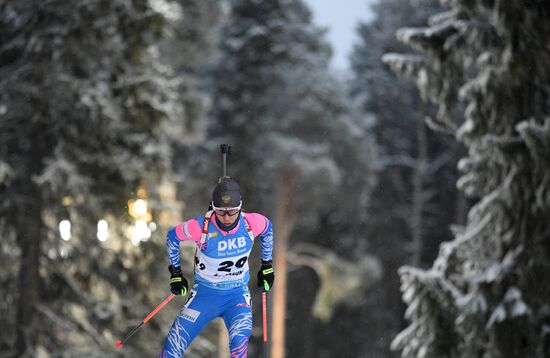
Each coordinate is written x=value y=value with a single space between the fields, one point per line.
x=188 y=230
x=266 y=241
x=263 y=230
x=266 y=275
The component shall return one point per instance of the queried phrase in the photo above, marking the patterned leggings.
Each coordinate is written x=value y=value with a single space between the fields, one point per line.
x=203 y=305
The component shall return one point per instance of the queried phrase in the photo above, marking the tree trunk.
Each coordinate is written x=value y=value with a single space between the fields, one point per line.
x=460 y=209
x=30 y=228
x=284 y=222
x=418 y=189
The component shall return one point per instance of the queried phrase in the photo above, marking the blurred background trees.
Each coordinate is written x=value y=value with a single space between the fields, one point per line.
x=111 y=116
x=416 y=168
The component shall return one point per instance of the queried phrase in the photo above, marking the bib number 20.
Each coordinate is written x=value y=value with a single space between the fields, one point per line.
x=226 y=266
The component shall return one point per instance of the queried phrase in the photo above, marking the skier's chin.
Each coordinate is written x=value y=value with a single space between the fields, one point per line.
x=227 y=220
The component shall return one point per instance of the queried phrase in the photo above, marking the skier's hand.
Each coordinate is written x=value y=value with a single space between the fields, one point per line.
x=178 y=283
x=266 y=276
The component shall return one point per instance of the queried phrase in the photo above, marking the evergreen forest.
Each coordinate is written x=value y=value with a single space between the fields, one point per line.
x=409 y=196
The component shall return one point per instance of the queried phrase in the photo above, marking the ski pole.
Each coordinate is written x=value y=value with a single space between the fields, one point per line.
x=264 y=314
x=119 y=343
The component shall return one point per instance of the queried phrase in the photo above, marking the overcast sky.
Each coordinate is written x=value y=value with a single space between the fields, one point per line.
x=340 y=18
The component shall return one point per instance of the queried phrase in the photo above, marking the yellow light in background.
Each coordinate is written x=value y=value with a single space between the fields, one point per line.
x=140 y=211
x=140 y=207
x=67 y=200
x=102 y=230
x=65 y=229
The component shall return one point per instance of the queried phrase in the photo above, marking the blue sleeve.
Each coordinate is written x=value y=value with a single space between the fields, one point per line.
x=266 y=241
x=173 y=246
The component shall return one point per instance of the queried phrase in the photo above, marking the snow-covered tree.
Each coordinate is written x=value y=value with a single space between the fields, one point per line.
x=87 y=115
x=486 y=65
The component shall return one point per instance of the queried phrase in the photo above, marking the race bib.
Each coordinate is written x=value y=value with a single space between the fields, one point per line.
x=221 y=269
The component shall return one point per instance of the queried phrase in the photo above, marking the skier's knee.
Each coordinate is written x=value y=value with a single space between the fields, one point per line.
x=241 y=326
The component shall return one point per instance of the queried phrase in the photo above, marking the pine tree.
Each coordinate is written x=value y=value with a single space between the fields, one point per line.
x=87 y=116
x=486 y=65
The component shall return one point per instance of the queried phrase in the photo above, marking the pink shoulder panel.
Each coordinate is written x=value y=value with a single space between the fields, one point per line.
x=189 y=230
x=257 y=223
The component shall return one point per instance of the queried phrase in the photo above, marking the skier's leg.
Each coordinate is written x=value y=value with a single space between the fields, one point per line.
x=238 y=320
x=195 y=315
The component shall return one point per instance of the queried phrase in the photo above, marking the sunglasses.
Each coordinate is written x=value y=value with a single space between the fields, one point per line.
x=227 y=211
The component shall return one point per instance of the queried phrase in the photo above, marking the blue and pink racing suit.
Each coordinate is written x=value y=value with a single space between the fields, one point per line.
x=221 y=279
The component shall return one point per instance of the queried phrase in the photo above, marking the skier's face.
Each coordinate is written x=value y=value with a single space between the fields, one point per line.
x=227 y=215
x=227 y=219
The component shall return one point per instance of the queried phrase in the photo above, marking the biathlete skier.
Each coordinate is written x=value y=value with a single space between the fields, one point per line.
x=224 y=237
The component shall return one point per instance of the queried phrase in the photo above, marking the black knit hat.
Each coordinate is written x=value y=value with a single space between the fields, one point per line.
x=227 y=193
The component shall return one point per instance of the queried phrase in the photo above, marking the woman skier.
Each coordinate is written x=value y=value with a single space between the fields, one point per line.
x=224 y=237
